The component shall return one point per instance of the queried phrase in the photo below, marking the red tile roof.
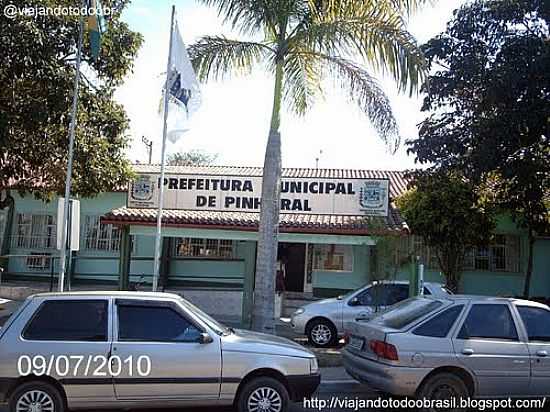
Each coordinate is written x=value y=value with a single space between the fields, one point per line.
x=302 y=223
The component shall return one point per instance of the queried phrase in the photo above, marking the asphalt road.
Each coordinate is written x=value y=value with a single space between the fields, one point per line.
x=341 y=390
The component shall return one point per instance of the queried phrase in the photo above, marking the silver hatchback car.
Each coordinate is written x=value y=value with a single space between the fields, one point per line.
x=325 y=320
x=454 y=347
x=93 y=350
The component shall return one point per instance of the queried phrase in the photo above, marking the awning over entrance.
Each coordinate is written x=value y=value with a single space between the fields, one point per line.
x=290 y=224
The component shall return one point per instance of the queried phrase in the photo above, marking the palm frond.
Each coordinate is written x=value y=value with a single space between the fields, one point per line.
x=375 y=29
x=409 y=7
x=253 y=16
x=216 y=56
x=302 y=81
x=364 y=90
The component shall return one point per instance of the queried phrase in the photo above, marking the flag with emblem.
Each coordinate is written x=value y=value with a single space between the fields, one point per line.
x=185 y=96
x=96 y=26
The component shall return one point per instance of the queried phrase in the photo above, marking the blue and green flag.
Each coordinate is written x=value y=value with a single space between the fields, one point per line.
x=96 y=26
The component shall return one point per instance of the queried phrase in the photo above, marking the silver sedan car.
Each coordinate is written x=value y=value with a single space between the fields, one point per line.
x=324 y=321
x=454 y=347
x=94 y=350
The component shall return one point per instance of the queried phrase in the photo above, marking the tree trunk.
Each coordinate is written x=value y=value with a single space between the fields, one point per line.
x=527 y=285
x=263 y=312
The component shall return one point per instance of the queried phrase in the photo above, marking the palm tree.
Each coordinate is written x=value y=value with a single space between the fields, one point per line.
x=303 y=42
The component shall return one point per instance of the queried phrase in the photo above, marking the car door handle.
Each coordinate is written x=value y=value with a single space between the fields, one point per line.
x=542 y=353
x=467 y=351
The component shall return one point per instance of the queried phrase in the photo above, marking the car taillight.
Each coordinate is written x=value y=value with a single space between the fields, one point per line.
x=384 y=350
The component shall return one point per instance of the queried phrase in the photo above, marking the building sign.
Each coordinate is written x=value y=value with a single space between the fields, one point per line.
x=368 y=197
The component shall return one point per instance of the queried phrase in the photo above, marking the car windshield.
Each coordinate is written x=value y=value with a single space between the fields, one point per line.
x=216 y=326
x=406 y=312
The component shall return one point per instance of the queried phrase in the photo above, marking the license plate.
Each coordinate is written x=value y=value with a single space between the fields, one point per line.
x=356 y=343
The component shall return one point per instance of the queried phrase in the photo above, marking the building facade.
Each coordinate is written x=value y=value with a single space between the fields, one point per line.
x=330 y=223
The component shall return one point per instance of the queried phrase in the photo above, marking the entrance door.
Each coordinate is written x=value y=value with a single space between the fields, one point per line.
x=294 y=257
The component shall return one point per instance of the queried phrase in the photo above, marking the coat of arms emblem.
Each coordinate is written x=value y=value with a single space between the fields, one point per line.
x=142 y=188
x=373 y=195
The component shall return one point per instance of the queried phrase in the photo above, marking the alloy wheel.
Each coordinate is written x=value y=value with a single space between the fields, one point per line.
x=265 y=399
x=321 y=334
x=35 y=401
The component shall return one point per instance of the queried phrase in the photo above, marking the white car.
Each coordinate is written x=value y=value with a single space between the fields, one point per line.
x=324 y=321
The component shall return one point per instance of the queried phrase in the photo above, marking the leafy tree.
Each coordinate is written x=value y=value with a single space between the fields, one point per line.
x=302 y=42
x=447 y=212
x=37 y=74
x=489 y=98
x=191 y=158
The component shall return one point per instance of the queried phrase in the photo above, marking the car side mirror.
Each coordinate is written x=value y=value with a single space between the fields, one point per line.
x=354 y=302
x=205 y=338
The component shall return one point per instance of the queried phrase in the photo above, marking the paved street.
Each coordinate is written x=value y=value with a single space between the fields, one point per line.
x=335 y=384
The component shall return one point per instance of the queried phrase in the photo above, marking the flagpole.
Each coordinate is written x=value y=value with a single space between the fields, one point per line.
x=158 y=237
x=72 y=127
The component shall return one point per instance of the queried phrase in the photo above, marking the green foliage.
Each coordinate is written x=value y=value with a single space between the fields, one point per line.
x=37 y=74
x=191 y=158
x=489 y=98
x=445 y=210
x=390 y=252
x=312 y=41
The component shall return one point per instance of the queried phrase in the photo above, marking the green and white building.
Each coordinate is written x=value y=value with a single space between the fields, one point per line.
x=329 y=224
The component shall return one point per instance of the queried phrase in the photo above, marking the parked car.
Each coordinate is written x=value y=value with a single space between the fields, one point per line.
x=324 y=321
x=454 y=347
x=94 y=350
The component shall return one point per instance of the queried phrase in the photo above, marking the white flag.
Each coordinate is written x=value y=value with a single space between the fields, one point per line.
x=185 y=96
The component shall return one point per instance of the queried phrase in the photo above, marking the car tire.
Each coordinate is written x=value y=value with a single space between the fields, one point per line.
x=443 y=386
x=37 y=392
x=322 y=333
x=264 y=389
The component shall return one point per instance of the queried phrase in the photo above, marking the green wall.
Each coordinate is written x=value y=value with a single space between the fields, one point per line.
x=102 y=265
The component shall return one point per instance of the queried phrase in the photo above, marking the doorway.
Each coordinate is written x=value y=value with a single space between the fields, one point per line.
x=293 y=255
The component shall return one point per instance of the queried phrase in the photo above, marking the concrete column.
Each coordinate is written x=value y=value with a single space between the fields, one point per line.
x=125 y=259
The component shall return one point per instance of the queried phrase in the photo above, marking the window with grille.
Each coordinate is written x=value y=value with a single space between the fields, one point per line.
x=35 y=231
x=502 y=255
x=204 y=248
x=39 y=261
x=99 y=236
x=336 y=258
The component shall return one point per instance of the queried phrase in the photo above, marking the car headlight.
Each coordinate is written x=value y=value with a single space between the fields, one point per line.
x=299 y=311
x=313 y=366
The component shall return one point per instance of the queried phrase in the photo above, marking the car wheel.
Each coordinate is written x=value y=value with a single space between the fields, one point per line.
x=443 y=386
x=263 y=395
x=322 y=333
x=36 y=397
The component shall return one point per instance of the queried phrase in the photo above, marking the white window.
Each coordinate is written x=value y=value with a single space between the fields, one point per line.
x=38 y=261
x=502 y=255
x=35 y=231
x=337 y=258
x=99 y=236
x=205 y=248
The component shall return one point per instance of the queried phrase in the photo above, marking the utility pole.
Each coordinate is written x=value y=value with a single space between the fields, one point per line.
x=149 y=144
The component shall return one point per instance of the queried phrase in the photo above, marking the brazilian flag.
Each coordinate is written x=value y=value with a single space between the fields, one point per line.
x=96 y=26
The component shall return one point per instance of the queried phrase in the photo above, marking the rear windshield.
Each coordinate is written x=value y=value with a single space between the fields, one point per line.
x=408 y=311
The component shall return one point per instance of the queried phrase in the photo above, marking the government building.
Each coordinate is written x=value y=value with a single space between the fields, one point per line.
x=330 y=223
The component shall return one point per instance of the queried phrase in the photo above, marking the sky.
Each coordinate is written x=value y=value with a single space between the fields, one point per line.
x=233 y=120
